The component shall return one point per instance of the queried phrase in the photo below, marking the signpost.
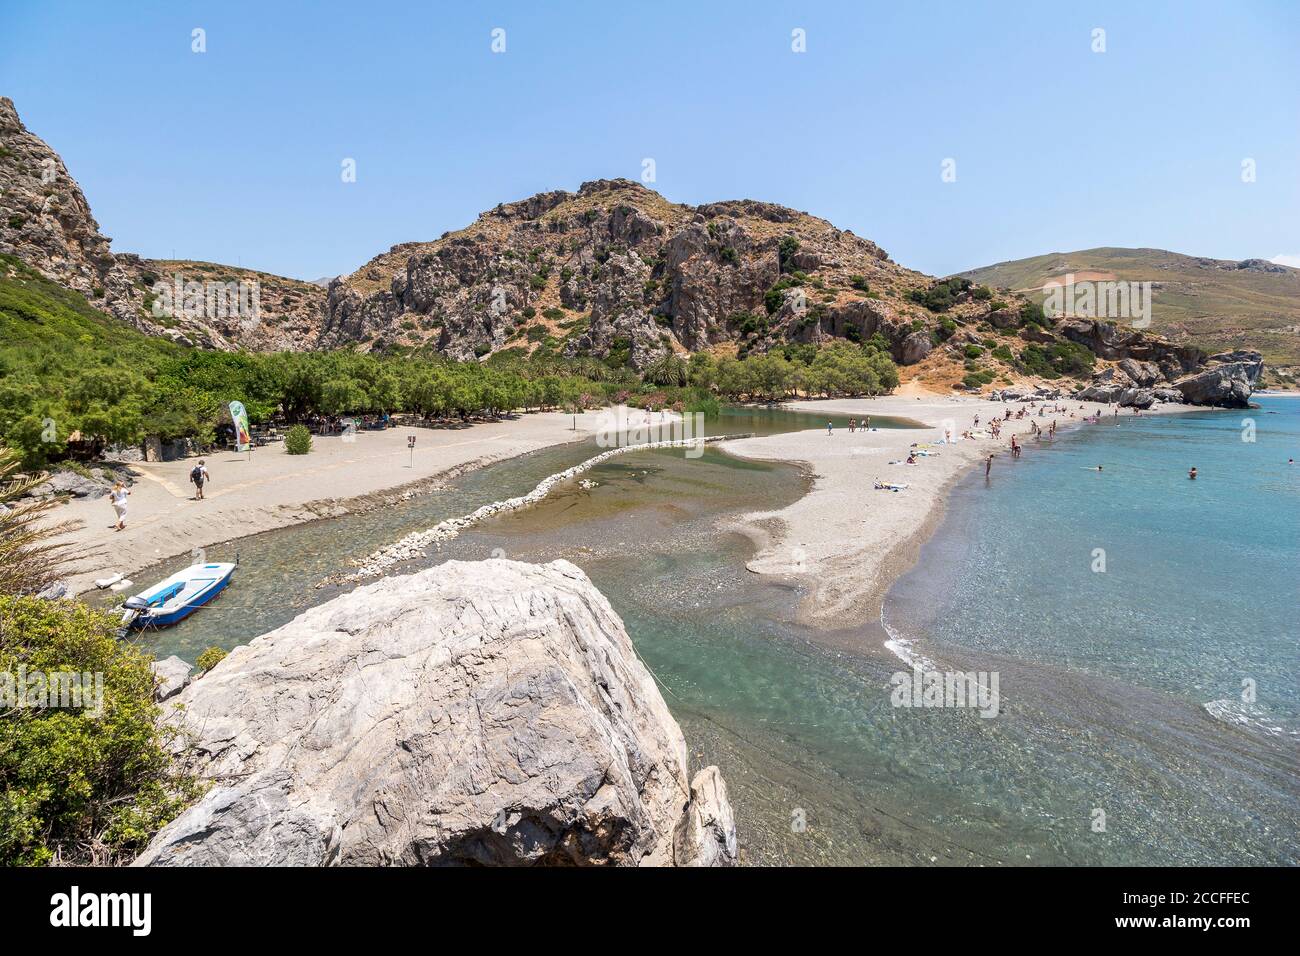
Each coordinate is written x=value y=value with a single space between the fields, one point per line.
x=410 y=443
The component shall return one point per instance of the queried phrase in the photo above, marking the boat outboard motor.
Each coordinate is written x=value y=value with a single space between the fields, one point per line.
x=132 y=609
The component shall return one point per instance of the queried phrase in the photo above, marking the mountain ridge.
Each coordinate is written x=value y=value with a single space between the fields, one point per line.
x=1221 y=304
x=613 y=271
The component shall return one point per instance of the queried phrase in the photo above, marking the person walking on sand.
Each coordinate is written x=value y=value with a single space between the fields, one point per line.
x=199 y=476
x=829 y=427
x=117 y=497
x=853 y=423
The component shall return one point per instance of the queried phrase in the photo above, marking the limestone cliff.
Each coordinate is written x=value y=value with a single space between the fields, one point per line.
x=490 y=713
x=46 y=222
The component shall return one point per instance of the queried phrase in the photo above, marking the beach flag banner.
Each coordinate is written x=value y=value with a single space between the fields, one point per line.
x=239 y=415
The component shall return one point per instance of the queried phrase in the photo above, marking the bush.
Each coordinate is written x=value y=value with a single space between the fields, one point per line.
x=210 y=659
x=973 y=351
x=88 y=784
x=297 y=440
x=785 y=252
x=942 y=295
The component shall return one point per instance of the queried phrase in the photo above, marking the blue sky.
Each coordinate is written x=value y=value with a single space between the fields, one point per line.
x=234 y=155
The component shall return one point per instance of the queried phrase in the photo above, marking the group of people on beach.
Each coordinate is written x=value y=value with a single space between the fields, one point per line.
x=853 y=425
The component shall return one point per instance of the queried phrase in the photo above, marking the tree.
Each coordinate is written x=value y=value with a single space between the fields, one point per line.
x=30 y=558
x=341 y=395
x=668 y=369
x=86 y=784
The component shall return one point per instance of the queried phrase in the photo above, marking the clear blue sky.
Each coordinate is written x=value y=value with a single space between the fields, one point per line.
x=234 y=155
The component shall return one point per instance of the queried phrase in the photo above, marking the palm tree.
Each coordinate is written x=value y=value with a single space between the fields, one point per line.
x=668 y=369
x=30 y=560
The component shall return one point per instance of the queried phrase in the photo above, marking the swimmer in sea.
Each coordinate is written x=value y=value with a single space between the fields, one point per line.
x=1192 y=474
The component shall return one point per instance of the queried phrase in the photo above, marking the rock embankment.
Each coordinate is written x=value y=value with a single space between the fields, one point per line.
x=487 y=712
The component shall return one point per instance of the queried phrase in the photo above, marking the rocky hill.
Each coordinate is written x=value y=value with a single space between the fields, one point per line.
x=617 y=266
x=46 y=222
x=613 y=271
x=1218 y=304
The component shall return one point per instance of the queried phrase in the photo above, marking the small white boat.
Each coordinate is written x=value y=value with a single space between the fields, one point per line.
x=177 y=597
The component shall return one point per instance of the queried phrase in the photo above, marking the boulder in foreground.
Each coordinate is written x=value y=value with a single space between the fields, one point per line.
x=486 y=712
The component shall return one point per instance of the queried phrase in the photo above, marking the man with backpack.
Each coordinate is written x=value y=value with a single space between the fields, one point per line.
x=199 y=475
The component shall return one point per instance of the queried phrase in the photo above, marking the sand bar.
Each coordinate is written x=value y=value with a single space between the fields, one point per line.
x=846 y=542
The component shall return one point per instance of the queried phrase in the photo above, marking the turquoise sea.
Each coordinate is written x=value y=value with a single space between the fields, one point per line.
x=1122 y=735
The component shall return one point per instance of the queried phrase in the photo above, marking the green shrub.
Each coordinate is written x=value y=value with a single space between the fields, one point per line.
x=942 y=294
x=972 y=351
x=297 y=440
x=785 y=252
x=87 y=784
x=210 y=659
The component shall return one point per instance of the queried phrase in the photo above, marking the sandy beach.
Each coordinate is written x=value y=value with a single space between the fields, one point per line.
x=845 y=541
x=274 y=489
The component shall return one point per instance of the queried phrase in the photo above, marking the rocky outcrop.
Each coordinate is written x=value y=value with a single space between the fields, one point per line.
x=490 y=713
x=1151 y=369
x=1227 y=380
x=616 y=268
x=170 y=674
x=46 y=222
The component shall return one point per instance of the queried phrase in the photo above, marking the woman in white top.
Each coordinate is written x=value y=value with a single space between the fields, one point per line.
x=118 y=498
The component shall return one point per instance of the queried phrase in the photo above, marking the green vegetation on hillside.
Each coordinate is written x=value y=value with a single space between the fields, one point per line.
x=68 y=369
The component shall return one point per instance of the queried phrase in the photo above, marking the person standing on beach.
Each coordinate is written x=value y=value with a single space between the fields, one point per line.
x=988 y=465
x=829 y=427
x=866 y=423
x=199 y=476
x=117 y=497
x=853 y=422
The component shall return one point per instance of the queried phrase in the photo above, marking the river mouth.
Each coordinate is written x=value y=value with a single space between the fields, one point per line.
x=821 y=768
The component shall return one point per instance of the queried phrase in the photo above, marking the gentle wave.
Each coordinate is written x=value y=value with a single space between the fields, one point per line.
x=1251 y=716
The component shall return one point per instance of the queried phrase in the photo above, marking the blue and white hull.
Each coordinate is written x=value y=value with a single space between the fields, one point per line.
x=176 y=598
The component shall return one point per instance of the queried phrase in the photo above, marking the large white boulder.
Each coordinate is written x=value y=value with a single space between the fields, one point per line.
x=487 y=712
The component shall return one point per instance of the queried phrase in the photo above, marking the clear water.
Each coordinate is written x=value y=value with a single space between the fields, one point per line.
x=1199 y=588
x=820 y=767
